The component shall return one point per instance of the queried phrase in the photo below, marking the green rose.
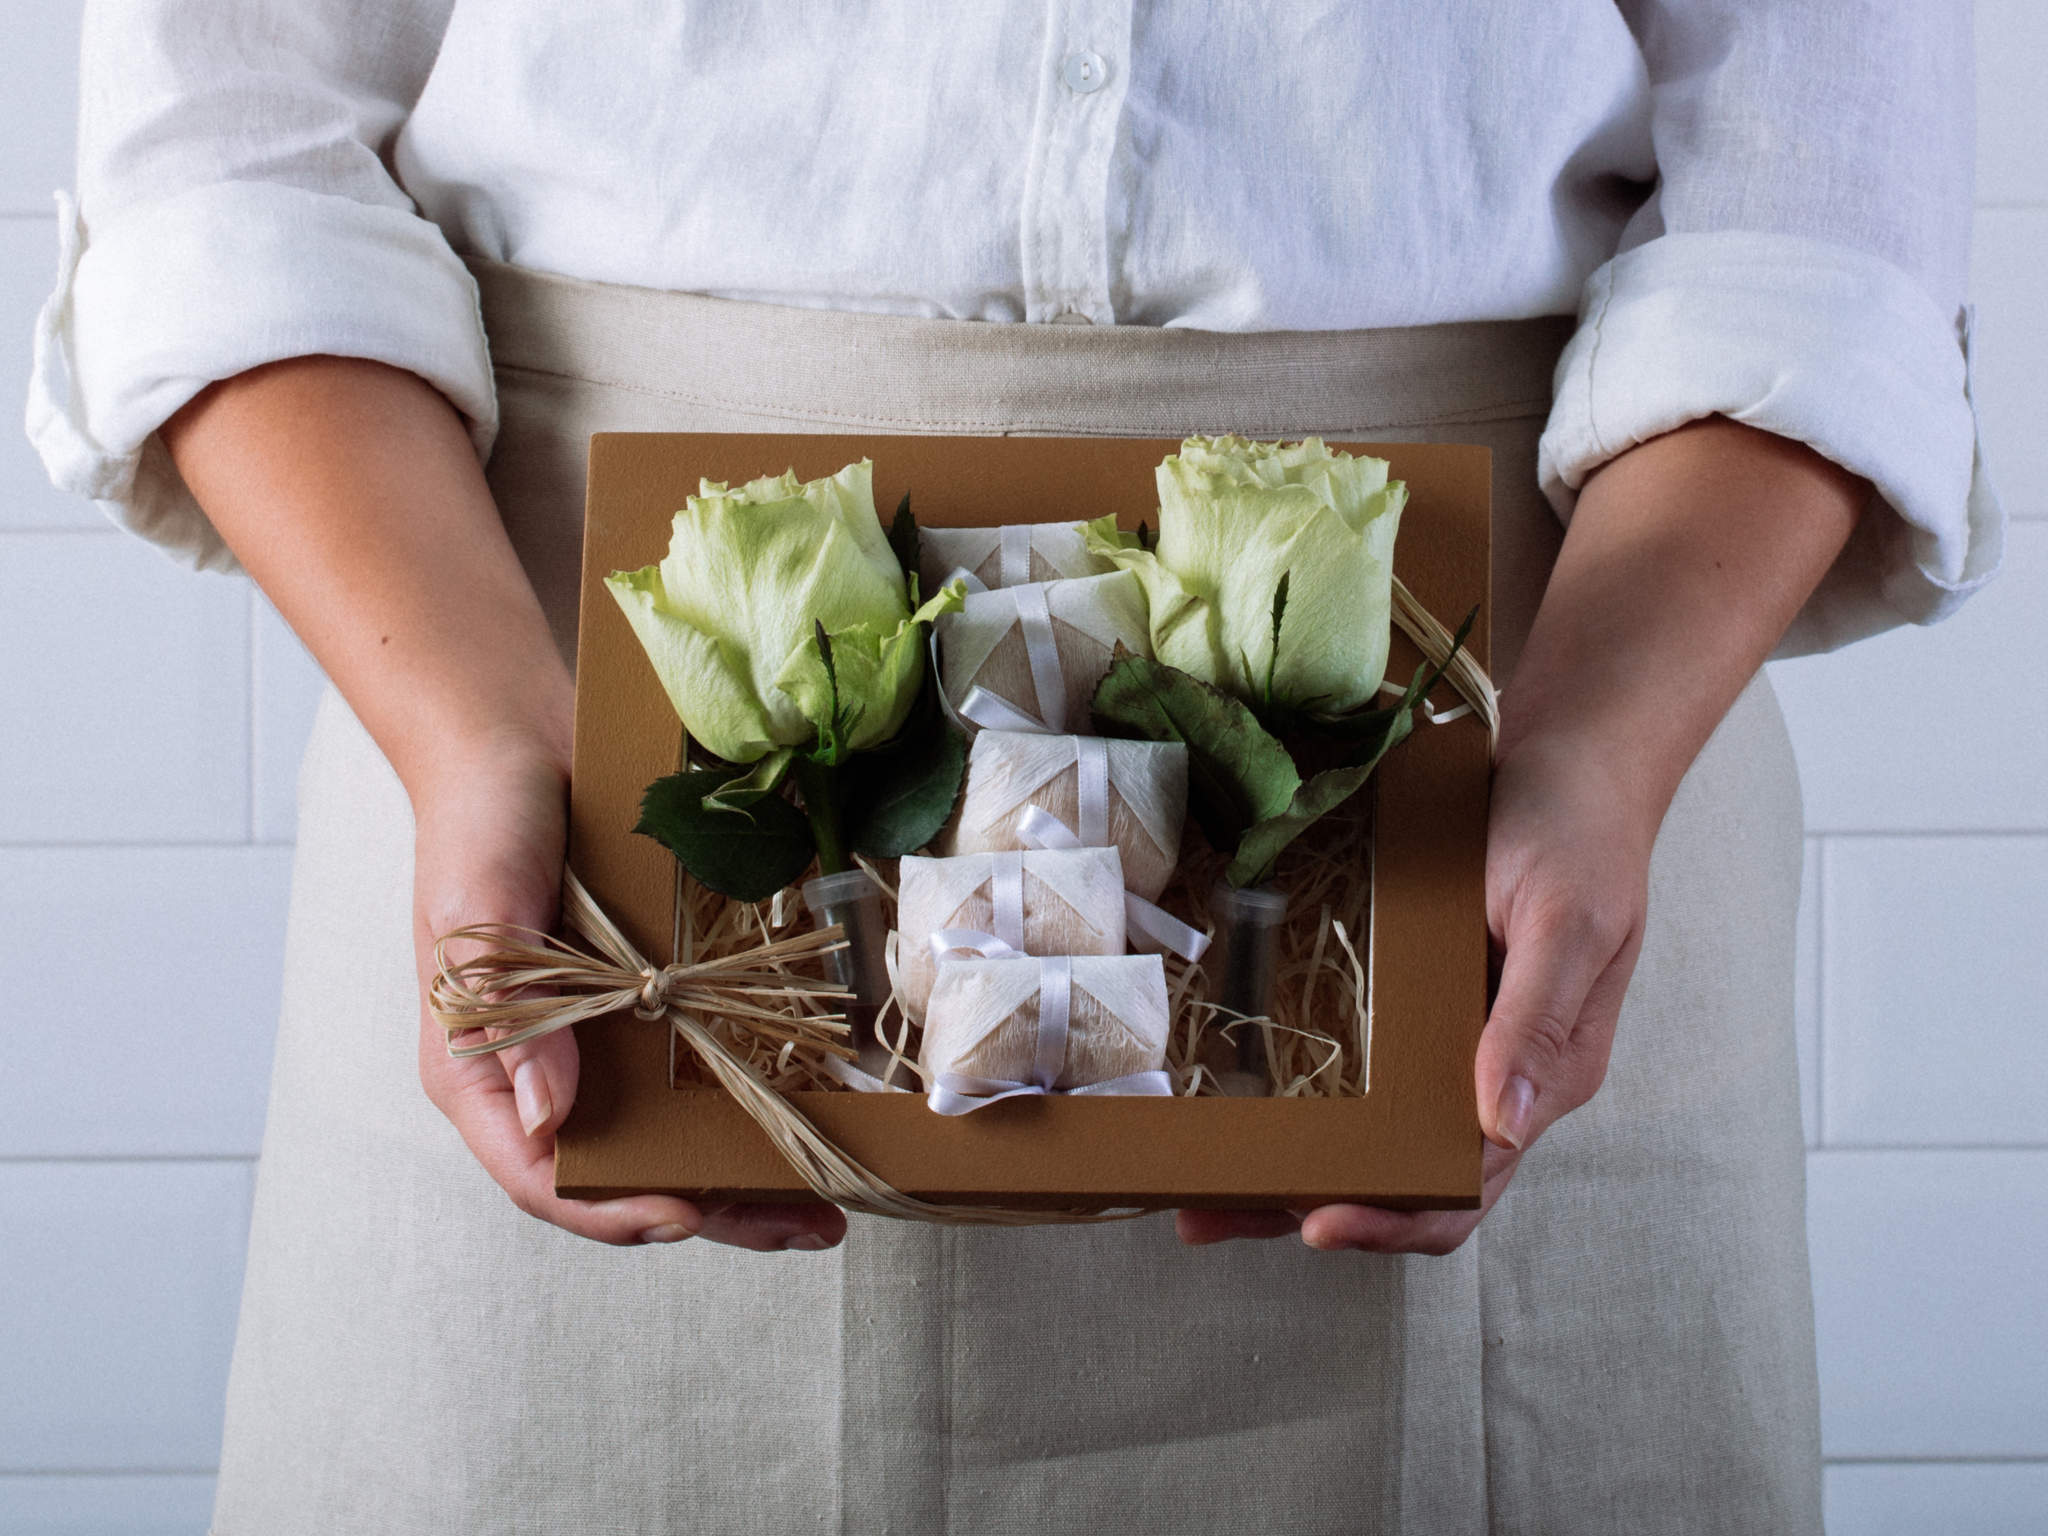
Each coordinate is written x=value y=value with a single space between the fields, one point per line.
x=730 y=617
x=1237 y=518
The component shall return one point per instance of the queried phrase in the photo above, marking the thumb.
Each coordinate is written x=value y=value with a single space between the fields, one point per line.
x=1544 y=1050
x=542 y=1075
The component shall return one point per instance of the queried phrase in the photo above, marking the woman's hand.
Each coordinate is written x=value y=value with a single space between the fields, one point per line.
x=1686 y=559
x=351 y=492
x=1567 y=871
x=488 y=849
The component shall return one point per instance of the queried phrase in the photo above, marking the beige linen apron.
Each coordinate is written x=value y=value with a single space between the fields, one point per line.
x=1626 y=1346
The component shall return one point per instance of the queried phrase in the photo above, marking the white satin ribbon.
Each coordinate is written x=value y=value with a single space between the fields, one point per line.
x=1041 y=652
x=1015 y=566
x=1041 y=829
x=969 y=941
x=957 y=1093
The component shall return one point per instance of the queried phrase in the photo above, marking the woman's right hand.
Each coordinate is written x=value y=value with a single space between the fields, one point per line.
x=490 y=828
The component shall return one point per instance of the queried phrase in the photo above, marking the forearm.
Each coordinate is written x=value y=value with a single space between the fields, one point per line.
x=349 y=490
x=1687 y=558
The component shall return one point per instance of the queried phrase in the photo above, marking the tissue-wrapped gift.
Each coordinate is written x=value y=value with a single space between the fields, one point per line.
x=1029 y=1025
x=1044 y=901
x=1128 y=795
x=1011 y=556
x=1040 y=650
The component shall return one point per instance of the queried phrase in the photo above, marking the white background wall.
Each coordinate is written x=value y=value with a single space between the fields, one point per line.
x=150 y=724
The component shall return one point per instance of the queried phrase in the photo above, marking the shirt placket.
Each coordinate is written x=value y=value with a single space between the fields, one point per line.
x=1084 y=72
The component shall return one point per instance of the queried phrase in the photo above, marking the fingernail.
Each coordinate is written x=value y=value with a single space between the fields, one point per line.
x=806 y=1242
x=530 y=1094
x=667 y=1232
x=1512 y=1114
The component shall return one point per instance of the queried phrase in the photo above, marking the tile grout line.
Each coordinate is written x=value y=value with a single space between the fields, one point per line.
x=1820 y=991
x=249 y=764
x=1935 y=1461
x=56 y=1472
x=1953 y=834
x=27 y=1159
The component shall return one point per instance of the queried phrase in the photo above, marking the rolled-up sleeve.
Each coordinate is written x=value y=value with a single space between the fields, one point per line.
x=234 y=208
x=1800 y=267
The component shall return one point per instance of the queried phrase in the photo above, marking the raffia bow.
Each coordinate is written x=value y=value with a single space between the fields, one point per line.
x=531 y=984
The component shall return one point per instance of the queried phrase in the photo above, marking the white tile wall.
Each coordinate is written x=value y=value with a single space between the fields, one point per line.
x=2012 y=110
x=1942 y=729
x=39 y=90
x=1938 y=1499
x=153 y=724
x=121 y=1281
x=126 y=690
x=188 y=1074
x=2009 y=360
x=1936 y=975
x=1929 y=1302
x=286 y=687
x=28 y=262
x=131 y=1504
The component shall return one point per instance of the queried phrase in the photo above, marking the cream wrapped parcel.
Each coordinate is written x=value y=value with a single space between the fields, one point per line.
x=1236 y=520
x=785 y=629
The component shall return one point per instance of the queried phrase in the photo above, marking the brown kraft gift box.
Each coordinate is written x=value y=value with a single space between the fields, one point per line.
x=1411 y=1142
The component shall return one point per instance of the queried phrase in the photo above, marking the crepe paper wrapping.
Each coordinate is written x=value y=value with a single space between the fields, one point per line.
x=1043 y=902
x=983 y=1020
x=1009 y=556
x=1145 y=803
x=729 y=616
x=1235 y=517
x=704 y=1001
x=984 y=644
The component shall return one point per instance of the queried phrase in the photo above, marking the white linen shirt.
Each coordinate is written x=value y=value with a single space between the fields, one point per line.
x=1756 y=207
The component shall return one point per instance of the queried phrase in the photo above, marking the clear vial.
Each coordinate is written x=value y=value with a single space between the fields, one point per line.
x=1247 y=951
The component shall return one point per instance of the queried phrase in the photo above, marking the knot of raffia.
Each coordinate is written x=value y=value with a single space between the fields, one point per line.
x=523 y=984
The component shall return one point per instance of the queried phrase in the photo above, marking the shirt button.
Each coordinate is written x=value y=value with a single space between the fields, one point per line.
x=1084 y=73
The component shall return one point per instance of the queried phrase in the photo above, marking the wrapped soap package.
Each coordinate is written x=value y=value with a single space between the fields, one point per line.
x=1011 y=556
x=1128 y=795
x=1039 y=651
x=1045 y=901
x=1051 y=1024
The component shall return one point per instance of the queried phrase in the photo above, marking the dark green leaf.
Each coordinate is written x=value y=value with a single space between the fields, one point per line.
x=898 y=799
x=903 y=538
x=1238 y=773
x=747 y=854
x=1259 y=850
x=1279 y=613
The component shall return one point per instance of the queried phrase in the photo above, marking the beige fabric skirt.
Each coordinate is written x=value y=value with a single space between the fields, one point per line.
x=1626 y=1346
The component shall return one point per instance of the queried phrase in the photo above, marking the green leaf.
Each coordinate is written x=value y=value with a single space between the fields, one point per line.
x=1279 y=613
x=740 y=791
x=1238 y=773
x=1259 y=850
x=747 y=854
x=903 y=539
x=898 y=800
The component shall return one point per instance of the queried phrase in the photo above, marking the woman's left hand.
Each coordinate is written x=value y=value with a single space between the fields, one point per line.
x=1686 y=558
x=1566 y=878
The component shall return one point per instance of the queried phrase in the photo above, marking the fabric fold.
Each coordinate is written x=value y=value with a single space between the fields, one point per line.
x=1813 y=341
x=163 y=297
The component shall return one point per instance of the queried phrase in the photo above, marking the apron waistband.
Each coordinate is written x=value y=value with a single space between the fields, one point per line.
x=887 y=372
